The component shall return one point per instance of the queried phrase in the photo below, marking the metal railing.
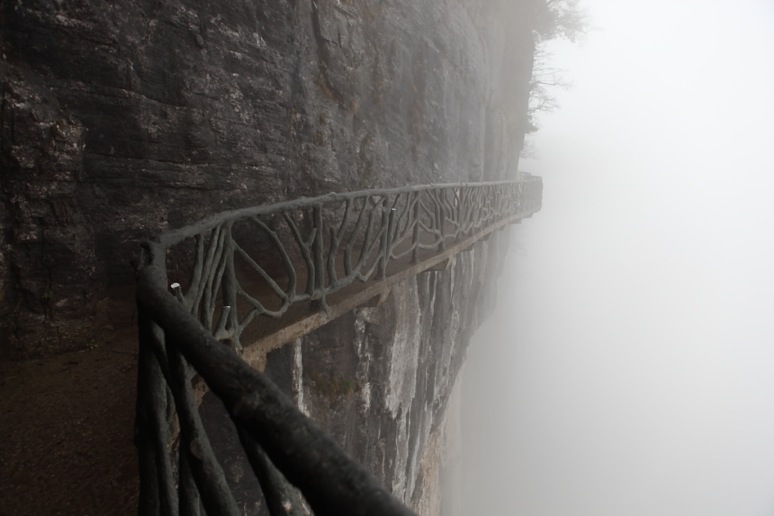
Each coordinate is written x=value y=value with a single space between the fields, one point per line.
x=200 y=288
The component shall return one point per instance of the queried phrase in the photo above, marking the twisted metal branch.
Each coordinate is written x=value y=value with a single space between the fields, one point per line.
x=231 y=270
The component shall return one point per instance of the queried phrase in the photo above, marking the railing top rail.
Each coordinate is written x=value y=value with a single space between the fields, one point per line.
x=339 y=239
x=172 y=237
x=331 y=482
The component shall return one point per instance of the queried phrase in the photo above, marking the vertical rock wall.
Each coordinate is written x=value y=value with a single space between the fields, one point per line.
x=379 y=379
x=120 y=120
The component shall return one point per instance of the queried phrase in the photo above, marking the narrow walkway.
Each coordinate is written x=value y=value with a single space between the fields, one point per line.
x=68 y=421
x=284 y=270
x=302 y=319
x=300 y=264
x=67 y=425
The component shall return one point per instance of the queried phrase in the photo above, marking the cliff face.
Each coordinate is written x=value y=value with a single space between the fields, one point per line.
x=379 y=379
x=121 y=120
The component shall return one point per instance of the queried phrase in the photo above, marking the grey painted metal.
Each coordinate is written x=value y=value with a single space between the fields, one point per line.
x=231 y=271
x=330 y=482
x=175 y=236
x=332 y=241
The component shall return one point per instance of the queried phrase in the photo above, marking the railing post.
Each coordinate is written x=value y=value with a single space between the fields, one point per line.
x=252 y=402
x=152 y=436
x=190 y=500
x=458 y=204
x=439 y=215
x=318 y=250
x=200 y=461
x=388 y=218
x=144 y=427
x=230 y=290
x=415 y=233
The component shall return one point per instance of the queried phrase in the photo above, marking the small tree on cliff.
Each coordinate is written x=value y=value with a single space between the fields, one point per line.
x=552 y=19
x=559 y=19
x=545 y=79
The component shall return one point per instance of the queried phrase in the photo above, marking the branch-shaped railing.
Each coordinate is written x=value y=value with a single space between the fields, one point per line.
x=261 y=261
x=230 y=271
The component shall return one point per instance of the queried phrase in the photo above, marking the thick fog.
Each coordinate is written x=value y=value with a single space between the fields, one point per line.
x=629 y=370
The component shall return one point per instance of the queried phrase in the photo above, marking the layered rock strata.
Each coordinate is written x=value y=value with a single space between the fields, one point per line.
x=119 y=121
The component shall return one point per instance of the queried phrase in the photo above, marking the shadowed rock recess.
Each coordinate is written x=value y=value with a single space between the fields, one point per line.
x=119 y=120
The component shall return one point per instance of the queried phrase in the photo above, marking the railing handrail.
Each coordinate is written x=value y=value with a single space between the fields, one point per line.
x=174 y=236
x=177 y=331
x=332 y=241
x=330 y=481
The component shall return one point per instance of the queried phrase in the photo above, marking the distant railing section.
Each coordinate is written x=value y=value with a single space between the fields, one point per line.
x=231 y=269
x=307 y=249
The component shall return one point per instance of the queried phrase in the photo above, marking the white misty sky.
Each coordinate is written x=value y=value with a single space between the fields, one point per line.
x=631 y=365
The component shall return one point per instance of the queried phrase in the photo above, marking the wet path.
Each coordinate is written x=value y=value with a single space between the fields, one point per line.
x=67 y=427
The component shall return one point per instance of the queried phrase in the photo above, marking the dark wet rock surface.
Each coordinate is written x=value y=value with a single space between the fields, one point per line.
x=120 y=121
x=379 y=379
x=123 y=120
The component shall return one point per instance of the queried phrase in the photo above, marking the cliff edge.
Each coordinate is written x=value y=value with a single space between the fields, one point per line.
x=119 y=121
